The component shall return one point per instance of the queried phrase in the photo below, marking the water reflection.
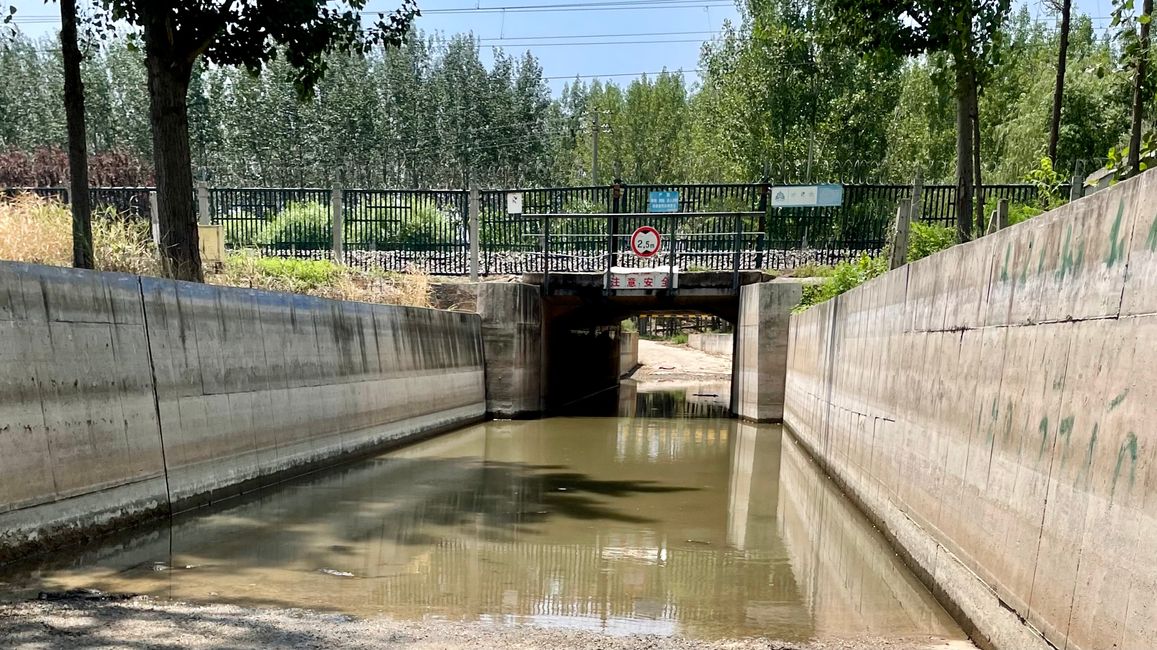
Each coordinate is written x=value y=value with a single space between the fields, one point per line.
x=701 y=527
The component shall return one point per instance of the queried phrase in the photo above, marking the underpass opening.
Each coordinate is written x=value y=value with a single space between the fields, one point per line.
x=591 y=358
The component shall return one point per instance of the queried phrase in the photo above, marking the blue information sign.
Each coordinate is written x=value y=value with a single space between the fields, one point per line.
x=663 y=202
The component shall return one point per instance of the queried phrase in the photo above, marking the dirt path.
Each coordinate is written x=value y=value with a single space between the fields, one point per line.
x=665 y=363
x=144 y=623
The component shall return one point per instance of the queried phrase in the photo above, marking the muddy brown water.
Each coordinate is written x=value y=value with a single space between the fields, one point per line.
x=670 y=519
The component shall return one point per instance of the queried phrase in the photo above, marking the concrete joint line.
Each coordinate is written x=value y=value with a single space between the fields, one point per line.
x=156 y=396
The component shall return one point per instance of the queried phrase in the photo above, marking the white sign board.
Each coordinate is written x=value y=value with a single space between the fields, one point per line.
x=514 y=203
x=806 y=196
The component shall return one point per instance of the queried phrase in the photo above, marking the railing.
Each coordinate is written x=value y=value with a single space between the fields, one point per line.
x=694 y=241
x=429 y=229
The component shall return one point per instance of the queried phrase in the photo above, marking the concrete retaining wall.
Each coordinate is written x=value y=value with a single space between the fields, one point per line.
x=628 y=352
x=991 y=408
x=760 y=365
x=124 y=397
x=718 y=344
x=513 y=334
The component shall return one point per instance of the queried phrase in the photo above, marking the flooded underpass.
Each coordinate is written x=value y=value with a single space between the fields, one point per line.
x=670 y=519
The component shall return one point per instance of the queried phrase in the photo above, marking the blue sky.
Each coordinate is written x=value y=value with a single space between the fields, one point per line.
x=667 y=36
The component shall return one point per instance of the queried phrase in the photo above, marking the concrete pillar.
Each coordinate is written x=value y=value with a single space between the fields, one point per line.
x=761 y=338
x=155 y=218
x=512 y=342
x=203 y=217
x=628 y=353
x=337 y=219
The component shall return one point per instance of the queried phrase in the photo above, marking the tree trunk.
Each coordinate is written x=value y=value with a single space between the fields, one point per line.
x=169 y=117
x=965 y=91
x=1059 y=89
x=1134 y=166
x=974 y=113
x=82 y=256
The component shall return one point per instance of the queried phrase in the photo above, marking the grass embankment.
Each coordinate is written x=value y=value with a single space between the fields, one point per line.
x=39 y=231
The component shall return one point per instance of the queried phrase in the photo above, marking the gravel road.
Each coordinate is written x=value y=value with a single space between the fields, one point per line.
x=144 y=623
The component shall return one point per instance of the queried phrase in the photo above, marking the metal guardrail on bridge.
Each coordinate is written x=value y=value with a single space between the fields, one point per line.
x=689 y=241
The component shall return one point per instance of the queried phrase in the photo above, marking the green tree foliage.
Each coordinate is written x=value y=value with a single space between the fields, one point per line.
x=779 y=90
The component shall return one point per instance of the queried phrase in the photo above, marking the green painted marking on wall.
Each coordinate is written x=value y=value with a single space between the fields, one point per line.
x=1116 y=241
x=1040 y=265
x=1152 y=241
x=1130 y=447
x=1007 y=257
x=1044 y=436
x=1066 y=431
x=1118 y=399
x=1066 y=262
x=995 y=411
x=1008 y=422
x=1086 y=471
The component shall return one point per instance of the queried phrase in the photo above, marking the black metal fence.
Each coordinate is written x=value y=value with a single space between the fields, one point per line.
x=396 y=230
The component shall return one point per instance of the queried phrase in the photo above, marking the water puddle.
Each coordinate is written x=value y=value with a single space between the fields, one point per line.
x=670 y=519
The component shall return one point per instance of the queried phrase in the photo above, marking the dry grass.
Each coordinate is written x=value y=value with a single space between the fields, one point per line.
x=324 y=279
x=36 y=231
x=39 y=231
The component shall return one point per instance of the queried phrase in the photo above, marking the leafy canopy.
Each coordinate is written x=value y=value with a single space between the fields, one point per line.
x=235 y=33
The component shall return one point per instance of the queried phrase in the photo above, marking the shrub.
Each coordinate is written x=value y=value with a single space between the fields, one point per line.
x=925 y=239
x=1017 y=212
x=678 y=339
x=844 y=277
x=303 y=224
x=425 y=225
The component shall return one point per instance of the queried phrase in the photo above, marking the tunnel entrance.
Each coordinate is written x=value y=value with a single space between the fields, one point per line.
x=583 y=333
x=549 y=348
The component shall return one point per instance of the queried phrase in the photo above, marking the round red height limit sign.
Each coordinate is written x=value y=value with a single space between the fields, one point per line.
x=646 y=242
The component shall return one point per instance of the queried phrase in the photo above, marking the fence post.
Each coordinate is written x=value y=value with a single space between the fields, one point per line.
x=1002 y=214
x=899 y=255
x=155 y=218
x=546 y=255
x=917 y=207
x=203 y=203
x=1077 y=189
x=473 y=216
x=337 y=218
x=761 y=240
x=613 y=223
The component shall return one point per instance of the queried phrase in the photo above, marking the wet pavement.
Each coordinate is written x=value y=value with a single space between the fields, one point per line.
x=670 y=519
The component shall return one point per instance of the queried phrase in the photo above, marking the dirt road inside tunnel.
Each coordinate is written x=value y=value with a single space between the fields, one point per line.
x=668 y=363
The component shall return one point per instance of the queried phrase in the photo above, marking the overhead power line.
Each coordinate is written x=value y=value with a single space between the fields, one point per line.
x=604 y=5
x=587 y=43
x=567 y=36
x=622 y=74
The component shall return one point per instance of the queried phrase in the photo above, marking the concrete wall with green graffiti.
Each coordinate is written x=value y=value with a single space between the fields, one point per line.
x=994 y=408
